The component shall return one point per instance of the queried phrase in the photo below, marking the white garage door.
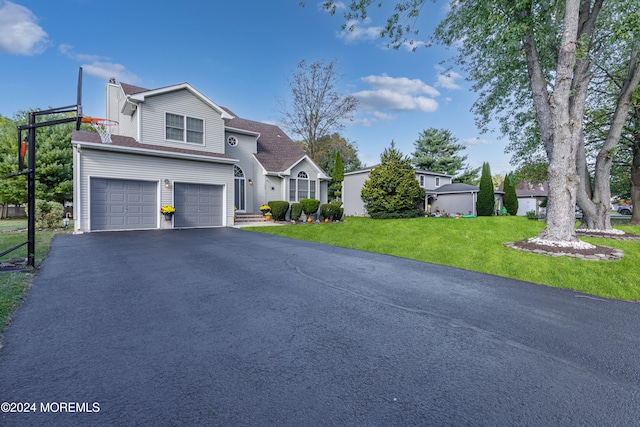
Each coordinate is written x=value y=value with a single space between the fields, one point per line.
x=118 y=204
x=198 y=205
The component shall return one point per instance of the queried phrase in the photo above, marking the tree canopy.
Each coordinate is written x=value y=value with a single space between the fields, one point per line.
x=54 y=162
x=437 y=150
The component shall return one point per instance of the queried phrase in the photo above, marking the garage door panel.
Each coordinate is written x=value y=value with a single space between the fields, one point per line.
x=198 y=205
x=123 y=204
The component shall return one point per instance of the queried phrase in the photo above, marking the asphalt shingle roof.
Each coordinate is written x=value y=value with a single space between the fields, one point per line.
x=276 y=151
x=126 y=141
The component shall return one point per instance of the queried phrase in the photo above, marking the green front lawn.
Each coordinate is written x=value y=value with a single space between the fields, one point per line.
x=14 y=286
x=477 y=244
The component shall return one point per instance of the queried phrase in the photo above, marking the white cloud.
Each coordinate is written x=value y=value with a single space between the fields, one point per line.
x=19 y=32
x=384 y=99
x=356 y=31
x=399 y=94
x=447 y=80
x=476 y=141
x=401 y=84
x=106 y=70
x=99 y=66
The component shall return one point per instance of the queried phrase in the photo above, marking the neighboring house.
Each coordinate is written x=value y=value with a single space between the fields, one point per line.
x=442 y=194
x=354 y=181
x=530 y=195
x=174 y=146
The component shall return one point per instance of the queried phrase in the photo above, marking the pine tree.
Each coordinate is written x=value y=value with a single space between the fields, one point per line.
x=510 y=199
x=392 y=190
x=486 y=195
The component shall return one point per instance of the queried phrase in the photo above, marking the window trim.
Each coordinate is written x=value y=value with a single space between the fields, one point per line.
x=185 y=130
x=235 y=138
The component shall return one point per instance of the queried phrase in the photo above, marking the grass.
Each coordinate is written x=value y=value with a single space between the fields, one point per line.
x=15 y=285
x=477 y=244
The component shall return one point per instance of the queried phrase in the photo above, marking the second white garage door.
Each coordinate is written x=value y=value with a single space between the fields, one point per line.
x=198 y=205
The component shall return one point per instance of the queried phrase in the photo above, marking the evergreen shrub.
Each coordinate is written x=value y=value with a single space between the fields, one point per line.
x=279 y=209
x=296 y=211
x=333 y=211
x=310 y=206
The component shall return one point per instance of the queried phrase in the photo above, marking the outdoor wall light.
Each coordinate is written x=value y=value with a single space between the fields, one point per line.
x=167 y=184
x=250 y=182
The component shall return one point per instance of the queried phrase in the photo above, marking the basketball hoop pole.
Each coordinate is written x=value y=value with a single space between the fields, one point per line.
x=31 y=127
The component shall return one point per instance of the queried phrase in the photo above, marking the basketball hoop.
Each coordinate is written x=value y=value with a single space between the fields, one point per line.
x=102 y=126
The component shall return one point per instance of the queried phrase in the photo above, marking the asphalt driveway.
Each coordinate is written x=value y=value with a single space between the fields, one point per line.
x=228 y=327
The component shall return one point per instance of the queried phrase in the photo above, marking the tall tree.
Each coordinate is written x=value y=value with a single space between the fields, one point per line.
x=328 y=145
x=317 y=107
x=392 y=189
x=486 y=196
x=54 y=163
x=436 y=150
x=468 y=176
x=510 y=199
x=12 y=190
x=335 y=187
x=543 y=50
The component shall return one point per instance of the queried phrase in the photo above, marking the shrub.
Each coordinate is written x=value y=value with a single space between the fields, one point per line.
x=296 y=211
x=392 y=186
x=48 y=214
x=532 y=215
x=486 y=197
x=510 y=198
x=310 y=206
x=279 y=209
x=333 y=211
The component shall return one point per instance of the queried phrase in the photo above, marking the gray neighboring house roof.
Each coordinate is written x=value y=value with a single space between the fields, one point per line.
x=456 y=188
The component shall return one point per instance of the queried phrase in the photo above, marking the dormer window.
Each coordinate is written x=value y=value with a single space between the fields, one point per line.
x=184 y=129
x=232 y=141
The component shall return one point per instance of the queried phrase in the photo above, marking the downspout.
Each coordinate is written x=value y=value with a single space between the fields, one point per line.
x=77 y=190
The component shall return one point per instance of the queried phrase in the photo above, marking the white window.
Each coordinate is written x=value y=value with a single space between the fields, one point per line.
x=421 y=180
x=437 y=181
x=184 y=129
x=232 y=141
x=301 y=187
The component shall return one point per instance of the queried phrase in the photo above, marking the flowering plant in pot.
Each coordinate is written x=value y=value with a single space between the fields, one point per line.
x=265 y=209
x=167 y=211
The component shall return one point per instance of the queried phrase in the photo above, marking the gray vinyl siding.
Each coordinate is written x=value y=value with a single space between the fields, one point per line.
x=105 y=164
x=127 y=125
x=184 y=103
x=430 y=181
x=463 y=203
x=244 y=152
x=351 y=189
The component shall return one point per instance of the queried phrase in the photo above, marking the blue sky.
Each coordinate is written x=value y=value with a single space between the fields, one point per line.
x=239 y=54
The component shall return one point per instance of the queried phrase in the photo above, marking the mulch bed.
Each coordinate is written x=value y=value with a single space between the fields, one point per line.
x=598 y=253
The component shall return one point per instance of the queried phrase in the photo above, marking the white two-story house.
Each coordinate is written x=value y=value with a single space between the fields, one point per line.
x=174 y=146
